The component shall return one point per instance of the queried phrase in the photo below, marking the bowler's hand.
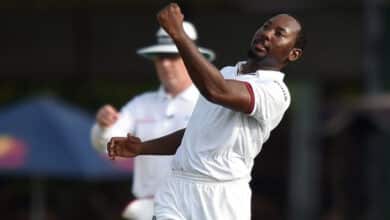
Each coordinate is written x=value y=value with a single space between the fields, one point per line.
x=129 y=146
x=107 y=116
x=171 y=19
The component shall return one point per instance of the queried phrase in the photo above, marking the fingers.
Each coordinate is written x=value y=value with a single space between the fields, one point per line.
x=110 y=153
x=172 y=8
x=111 y=149
x=106 y=116
x=116 y=147
x=169 y=13
x=133 y=138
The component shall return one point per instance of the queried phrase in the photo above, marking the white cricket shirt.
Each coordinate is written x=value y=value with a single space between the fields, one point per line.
x=149 y=116
x=220 y=143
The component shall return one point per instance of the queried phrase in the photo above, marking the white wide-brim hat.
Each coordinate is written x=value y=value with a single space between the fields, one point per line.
x=165 y=44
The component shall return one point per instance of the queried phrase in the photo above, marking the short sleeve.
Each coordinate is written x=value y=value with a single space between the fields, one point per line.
x=127 y=118
x=269 y=100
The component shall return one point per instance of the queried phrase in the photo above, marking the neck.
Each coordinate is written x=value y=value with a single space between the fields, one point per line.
x=174 y=91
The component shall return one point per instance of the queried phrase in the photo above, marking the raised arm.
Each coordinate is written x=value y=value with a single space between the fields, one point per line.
x=132 y=146
x=207 y=78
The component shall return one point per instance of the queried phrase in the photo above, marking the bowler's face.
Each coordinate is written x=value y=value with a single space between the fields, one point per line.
x=275 y=38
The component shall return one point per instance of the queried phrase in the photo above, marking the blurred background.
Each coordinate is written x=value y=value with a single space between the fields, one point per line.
x=60 y=60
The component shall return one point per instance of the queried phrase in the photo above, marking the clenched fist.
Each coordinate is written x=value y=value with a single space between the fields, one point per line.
x=107 y=116
x=171 y=19
x=129 y=146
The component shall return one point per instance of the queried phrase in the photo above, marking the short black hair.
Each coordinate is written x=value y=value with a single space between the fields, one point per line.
x=301 y=40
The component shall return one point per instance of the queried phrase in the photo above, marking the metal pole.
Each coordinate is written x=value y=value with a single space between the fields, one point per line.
x=373 y=23
x=372 y=68
x=304 y=196
x=37 y=199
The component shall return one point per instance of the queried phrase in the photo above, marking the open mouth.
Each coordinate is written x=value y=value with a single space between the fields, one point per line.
x=260 y=48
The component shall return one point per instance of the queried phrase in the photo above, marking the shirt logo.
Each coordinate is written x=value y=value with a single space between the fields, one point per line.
x=283 y=90
x=146 y=120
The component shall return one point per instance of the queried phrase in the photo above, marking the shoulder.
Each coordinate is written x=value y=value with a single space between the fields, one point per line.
x=271 y=98
x=276 y=89
x=272 y=88
x=229 y=71
x=282 y=89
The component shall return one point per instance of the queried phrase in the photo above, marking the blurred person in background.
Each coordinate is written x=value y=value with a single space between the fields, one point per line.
x=238 y=108
x=151 y=115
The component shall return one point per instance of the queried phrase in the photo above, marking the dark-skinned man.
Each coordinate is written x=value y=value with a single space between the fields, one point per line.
x=239 y=107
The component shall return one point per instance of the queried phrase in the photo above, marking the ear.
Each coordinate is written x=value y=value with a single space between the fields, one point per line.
x=295 y=54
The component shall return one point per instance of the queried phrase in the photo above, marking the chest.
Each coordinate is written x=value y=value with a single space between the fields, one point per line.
x=160 y=118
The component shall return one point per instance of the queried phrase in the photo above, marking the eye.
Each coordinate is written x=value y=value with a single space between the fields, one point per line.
x=279 y=33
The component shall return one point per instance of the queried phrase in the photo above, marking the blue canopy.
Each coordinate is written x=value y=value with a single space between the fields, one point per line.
x=47 y=137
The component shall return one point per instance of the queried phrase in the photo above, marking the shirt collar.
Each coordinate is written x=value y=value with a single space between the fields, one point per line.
x=161 y=92
x=263 y=74
x=188 y=94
